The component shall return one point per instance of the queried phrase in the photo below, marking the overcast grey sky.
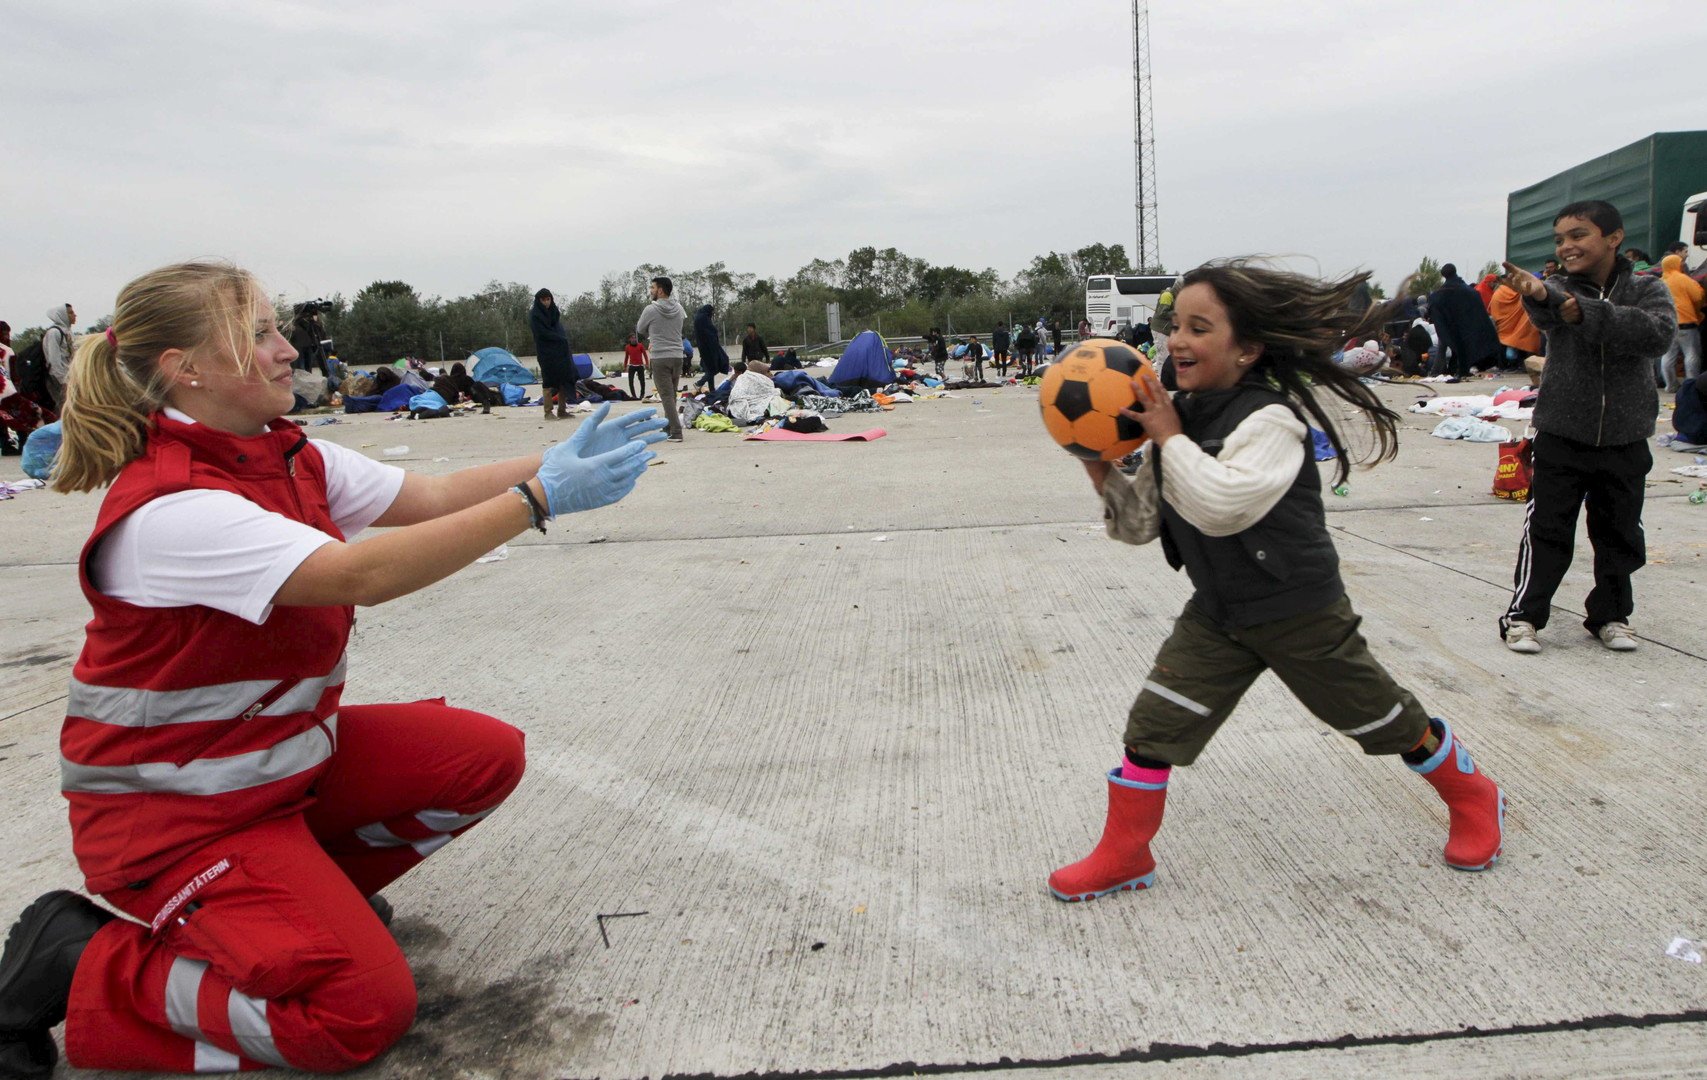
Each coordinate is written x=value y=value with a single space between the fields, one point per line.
x=327 y=145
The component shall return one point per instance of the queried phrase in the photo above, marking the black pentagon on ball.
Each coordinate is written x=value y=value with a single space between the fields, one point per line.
x=1120 y=358
x=1083 y=452
x=1127 y=429
x=1073 y=399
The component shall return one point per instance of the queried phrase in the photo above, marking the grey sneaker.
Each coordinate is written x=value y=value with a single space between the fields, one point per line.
x=1520 y=637
x=1616 y=636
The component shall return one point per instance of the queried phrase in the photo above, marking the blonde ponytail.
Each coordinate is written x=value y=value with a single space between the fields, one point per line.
x=116 y=383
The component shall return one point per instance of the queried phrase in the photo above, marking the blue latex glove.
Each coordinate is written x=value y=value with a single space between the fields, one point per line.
x=573 y=482
x=596 y=436
x=40 y=450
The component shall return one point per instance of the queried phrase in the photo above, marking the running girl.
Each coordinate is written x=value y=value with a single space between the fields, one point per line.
x=1233 y=494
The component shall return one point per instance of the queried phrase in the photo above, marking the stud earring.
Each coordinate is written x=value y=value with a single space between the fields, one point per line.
x=194 y=383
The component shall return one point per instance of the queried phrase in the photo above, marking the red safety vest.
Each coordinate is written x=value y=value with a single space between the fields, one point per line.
x=185 y=724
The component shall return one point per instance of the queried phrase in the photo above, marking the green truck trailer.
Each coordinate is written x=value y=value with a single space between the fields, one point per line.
x=1659 y=184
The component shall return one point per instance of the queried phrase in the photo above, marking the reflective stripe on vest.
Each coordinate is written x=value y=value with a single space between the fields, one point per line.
x=206 y=776
x=126 y=707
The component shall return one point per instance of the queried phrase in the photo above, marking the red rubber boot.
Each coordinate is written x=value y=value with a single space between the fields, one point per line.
x=1121 y=859
x=1475 y=805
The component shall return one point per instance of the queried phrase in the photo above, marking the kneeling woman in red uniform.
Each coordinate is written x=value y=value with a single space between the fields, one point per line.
x=221 y=797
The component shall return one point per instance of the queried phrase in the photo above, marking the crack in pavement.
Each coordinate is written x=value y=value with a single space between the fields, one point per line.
x=1493 y=584
x=1166 y=1052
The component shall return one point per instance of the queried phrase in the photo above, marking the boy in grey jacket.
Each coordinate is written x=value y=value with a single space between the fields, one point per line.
x=1604 y=325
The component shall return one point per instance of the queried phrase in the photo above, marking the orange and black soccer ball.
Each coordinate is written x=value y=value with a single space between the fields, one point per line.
x=1082 y=395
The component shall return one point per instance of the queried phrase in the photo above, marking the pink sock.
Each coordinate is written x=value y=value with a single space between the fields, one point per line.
x=1139 y=774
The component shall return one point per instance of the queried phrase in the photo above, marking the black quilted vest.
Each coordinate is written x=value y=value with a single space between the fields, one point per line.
x=1282 y=566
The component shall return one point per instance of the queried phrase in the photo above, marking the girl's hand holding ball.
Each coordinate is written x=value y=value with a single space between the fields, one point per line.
x=1155 y=408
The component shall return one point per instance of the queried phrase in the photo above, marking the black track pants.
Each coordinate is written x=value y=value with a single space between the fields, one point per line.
x=1568 y=474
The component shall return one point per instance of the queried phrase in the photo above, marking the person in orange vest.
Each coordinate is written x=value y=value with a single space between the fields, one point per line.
x=221 y=794
x=1518 y=335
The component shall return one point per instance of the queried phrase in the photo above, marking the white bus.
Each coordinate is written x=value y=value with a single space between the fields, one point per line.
x=1114 y=302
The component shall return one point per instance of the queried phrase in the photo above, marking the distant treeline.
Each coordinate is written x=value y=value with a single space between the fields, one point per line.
x=876 y=289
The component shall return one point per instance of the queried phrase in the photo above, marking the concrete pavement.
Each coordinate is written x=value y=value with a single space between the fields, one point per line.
x=829 y=713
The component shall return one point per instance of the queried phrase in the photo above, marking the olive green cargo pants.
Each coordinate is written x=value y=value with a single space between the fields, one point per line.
x=1204 y=669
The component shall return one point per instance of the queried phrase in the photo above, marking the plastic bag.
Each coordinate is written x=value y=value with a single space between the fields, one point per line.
x=1514 y=471
x=41 y=449
x=1470 y=429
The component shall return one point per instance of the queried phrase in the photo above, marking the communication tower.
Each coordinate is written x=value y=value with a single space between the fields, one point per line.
x=1148 y=256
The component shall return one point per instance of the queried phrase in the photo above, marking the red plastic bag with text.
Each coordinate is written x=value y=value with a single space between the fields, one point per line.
x=1513 y=473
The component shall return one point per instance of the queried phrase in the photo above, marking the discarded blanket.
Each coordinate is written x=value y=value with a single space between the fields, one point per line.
x=10 y=488
x=710 y=421
x=1364 y=359
x=778 y=434
x=795 y=383
x=396 y=398
x=597 y=391
x=1477 y=405
x=827 y=406
x=1471 y=429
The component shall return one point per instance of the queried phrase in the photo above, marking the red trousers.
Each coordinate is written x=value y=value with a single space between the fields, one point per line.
x=260 y=948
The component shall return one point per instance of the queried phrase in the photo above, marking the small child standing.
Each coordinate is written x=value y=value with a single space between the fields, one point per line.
x=974 y=359
x=1233 y=493
x=634 y=359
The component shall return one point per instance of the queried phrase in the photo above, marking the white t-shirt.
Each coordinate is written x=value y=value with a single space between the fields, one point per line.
x=219 y=550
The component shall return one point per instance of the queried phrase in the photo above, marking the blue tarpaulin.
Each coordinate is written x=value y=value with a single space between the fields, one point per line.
x=499 y=366
x=866 y=363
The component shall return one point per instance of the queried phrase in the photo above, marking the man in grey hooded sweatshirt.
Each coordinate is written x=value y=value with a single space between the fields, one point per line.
x=661 y=322
x=56 y=350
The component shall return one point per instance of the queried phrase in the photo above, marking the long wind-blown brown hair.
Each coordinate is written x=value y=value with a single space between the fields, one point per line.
x=1301 y=322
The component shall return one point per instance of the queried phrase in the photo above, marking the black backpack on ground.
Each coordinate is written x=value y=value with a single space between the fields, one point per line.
x=29 y=370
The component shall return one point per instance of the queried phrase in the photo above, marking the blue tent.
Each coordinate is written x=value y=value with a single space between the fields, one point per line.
x=866 y=363
x=585 y=368
x=495 y=365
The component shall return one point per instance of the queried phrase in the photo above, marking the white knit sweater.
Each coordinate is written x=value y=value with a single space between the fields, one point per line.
x=1220 y=495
